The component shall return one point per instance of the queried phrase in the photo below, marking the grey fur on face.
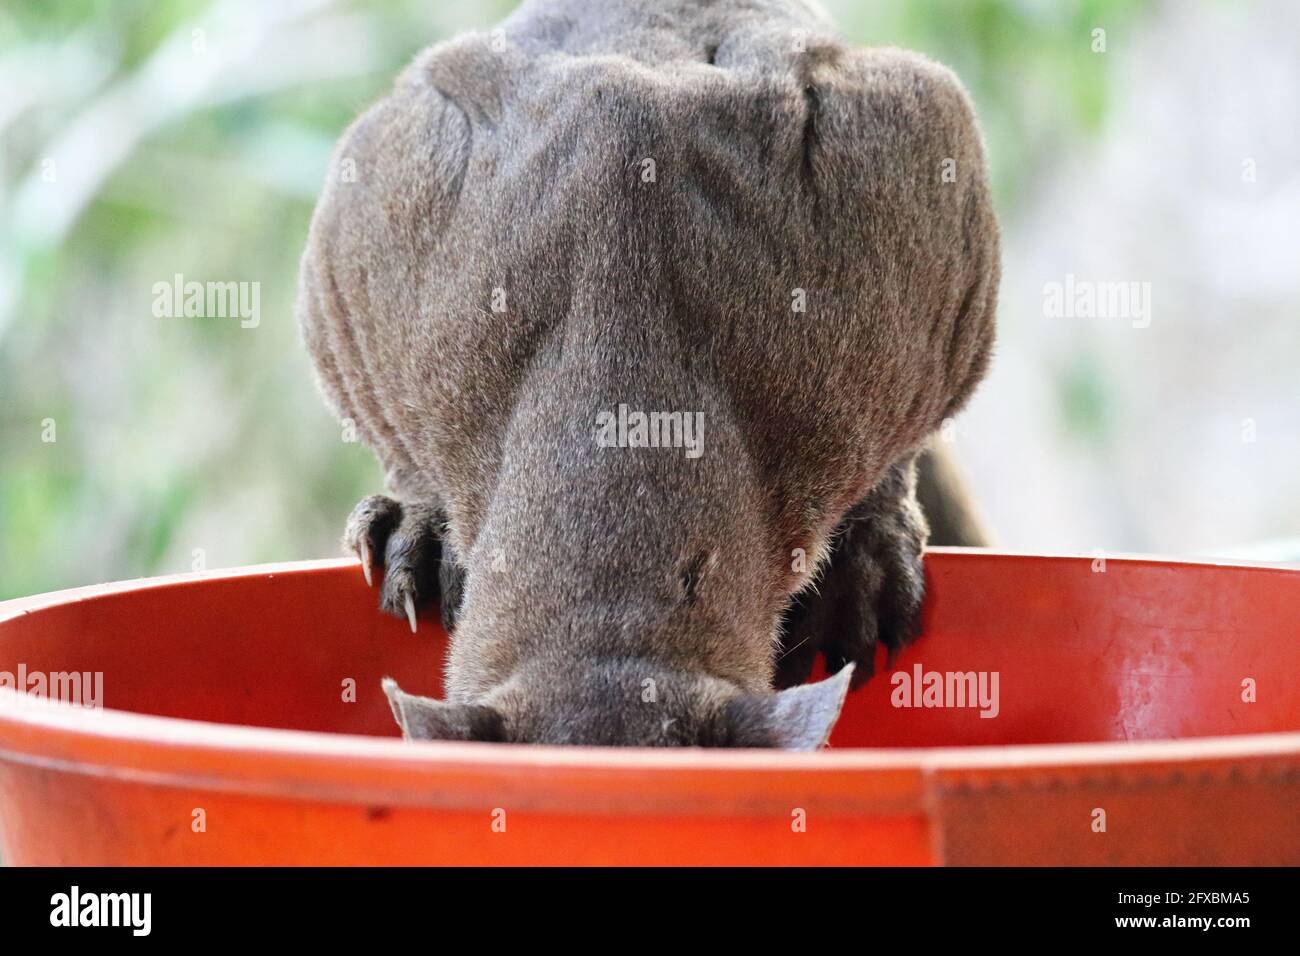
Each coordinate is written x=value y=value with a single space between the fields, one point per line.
x=713 y=209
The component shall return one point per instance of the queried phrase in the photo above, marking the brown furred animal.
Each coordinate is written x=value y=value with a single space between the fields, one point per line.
x=647 y=309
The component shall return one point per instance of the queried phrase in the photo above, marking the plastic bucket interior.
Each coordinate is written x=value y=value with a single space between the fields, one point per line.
x=1147 y=712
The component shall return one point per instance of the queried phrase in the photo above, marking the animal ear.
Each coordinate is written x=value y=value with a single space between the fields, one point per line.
x=423 y=718
x=799 y=718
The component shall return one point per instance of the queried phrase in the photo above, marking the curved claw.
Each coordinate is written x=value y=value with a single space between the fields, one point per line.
x=363 y=552
x=410 y=610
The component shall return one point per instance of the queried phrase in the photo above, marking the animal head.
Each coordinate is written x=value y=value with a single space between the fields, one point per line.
x=627 y=703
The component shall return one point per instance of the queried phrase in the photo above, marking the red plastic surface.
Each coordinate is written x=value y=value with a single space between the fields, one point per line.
x=1124 y=696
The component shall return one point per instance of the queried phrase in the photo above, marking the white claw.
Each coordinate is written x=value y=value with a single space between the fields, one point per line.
x=363 y=551
x=410 y=611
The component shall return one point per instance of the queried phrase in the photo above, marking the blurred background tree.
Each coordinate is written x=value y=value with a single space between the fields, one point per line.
x=140 y=140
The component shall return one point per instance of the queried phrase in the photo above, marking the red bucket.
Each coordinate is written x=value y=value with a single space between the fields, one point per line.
x=1143 y=712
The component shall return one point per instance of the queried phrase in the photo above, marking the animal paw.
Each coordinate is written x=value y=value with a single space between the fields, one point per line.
x=870 y=591
x=404 y=540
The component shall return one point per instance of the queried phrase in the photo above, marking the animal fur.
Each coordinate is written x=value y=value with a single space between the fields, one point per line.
x=491 y=267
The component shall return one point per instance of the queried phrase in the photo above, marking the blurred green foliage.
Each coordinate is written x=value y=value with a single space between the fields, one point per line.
x=191 y=137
